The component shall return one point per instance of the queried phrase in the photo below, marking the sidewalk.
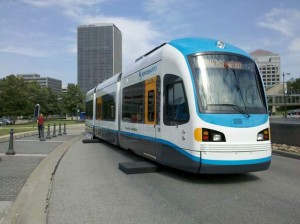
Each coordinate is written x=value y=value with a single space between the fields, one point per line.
x=17 y=170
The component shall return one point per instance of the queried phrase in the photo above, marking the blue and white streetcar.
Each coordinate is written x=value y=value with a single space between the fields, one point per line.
x=193 y=104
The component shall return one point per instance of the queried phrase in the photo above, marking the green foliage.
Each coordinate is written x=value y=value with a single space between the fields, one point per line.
x=13 y=96
x=18 y=98
x=73 y=100
x=294 y=86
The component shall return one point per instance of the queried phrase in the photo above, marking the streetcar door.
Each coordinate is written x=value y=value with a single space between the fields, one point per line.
x=98 y=115
x=150 y=117
x=177 y=134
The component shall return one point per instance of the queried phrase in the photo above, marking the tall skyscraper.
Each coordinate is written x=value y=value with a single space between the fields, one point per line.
x=269 y=66
x=99 y=51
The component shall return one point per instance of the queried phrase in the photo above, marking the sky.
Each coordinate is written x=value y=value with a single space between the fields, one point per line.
x=40 y=36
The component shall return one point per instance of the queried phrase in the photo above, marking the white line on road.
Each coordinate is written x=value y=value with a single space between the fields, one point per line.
x=38 y=141
x=25 y=155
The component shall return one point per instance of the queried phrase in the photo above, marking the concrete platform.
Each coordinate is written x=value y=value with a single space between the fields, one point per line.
x=139 y=167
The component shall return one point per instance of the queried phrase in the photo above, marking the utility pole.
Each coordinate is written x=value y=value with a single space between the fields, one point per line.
x=284 y=92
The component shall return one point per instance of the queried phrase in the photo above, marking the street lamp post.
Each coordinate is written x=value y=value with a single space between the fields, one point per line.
x=284 y=92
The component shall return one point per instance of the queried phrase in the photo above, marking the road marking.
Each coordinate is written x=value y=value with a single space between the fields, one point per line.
x=38 y=141
x=25 y=155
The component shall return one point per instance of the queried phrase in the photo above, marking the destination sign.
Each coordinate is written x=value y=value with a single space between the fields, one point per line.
x=212 y=63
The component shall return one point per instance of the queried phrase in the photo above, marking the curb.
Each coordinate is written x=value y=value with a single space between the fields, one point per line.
x=286 y=154
x=31 y=204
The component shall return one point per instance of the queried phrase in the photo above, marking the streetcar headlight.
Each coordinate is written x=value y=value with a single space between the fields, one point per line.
x=263 y=135
x=260 y=137
x=209 y=135
x=217 y=137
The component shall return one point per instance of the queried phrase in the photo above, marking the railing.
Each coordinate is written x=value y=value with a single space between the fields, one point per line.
x=278 y=100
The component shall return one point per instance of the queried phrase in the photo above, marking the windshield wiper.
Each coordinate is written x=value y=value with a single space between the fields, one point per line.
x=238 y=87
x=234 y=106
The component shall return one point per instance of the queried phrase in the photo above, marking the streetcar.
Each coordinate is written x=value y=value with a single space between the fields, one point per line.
x=193 y=104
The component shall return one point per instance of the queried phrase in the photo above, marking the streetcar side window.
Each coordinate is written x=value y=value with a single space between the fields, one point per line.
x=133 y=103
x=89 y=109
x=176 y=106
x=109 y=107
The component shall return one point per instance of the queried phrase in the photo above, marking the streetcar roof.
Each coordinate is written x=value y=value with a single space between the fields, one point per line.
x=108 y=82
x=91 y=91
x=189 y=46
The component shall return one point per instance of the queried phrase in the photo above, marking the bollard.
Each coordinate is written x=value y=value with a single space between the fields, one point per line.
x=42 y=138
x=59 y=130
x=48 y=133
x=10 y=150
x=54 y=131
x=65 y=129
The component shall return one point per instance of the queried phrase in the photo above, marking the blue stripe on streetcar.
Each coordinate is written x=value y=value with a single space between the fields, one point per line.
x=235 y=162
x=196 y=158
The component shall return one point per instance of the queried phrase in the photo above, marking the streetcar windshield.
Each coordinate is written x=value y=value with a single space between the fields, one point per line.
x=227 y=83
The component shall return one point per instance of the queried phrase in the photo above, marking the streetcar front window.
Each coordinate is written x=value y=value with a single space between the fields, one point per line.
x=227 y=83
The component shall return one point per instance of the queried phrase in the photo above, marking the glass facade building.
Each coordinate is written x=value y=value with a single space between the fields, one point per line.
x=269 y=66
x=99 y=50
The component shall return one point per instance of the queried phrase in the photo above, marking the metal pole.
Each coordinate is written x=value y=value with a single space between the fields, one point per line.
x=284 y=96
x=54 y=131
x=65 y=129
x=42 y=138
x=59 y=130
x=48 y=132
x=10 y=150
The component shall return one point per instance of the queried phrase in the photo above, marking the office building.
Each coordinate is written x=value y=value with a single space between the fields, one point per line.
x=99 y=51
x=269 y=66
x=52 y=83
x=64 y=89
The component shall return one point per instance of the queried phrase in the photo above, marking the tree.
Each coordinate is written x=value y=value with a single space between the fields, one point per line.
x=294 y=86
x=18 y=98
x=13 y=96
x=35 y=96
x=73 y=100
x=49 y=102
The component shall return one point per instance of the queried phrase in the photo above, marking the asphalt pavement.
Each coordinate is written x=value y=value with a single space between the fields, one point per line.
x=65 y=181
x=88 y=187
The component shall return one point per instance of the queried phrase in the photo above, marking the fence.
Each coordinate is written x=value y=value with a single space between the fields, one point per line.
x=288 y=134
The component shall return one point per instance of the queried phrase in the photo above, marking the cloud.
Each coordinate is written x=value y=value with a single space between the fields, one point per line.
x=69 y=7
x=160 y=7
x=23 y=51
x=294 y=45
x=285 y=21
x=138 y=36
x=62 y=3
x=72 y=49
x=170 y=12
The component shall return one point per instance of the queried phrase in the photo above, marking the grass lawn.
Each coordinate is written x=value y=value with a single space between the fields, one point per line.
x=4 y=130
x=30 y=126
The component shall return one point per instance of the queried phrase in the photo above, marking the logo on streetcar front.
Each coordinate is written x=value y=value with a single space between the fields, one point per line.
x=148 y=71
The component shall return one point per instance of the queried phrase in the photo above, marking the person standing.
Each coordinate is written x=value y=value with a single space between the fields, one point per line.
x=40 y=121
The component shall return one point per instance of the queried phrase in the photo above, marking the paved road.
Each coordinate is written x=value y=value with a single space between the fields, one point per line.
x=88 y=187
